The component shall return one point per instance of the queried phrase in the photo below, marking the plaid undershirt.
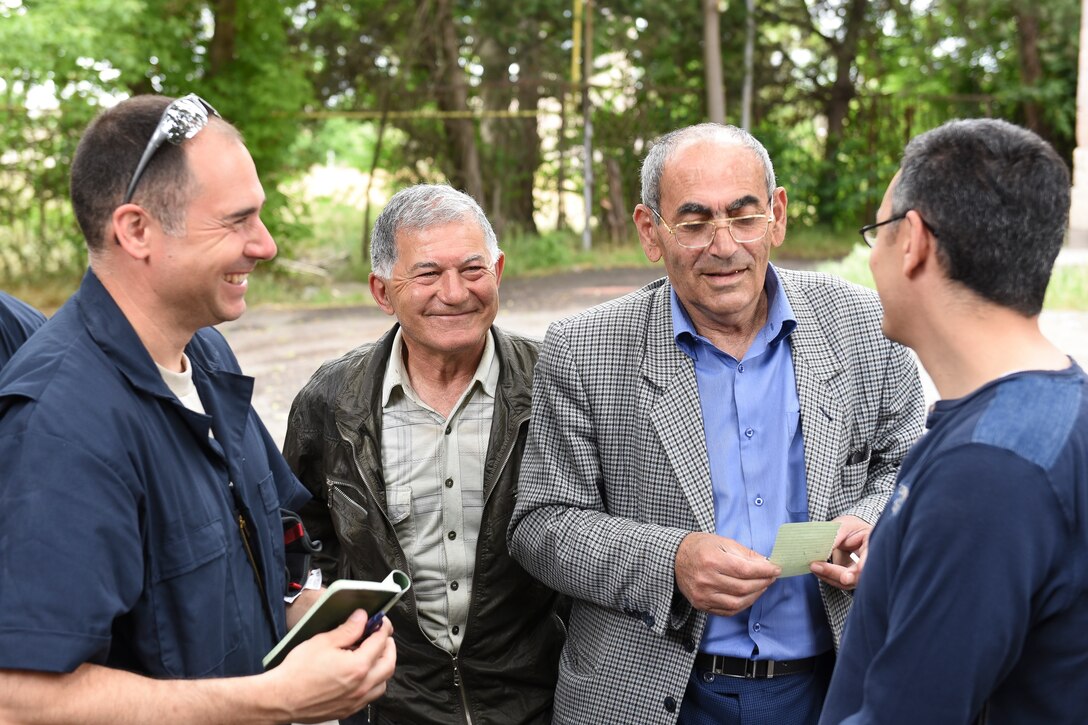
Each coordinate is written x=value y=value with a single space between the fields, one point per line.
x=434 y=478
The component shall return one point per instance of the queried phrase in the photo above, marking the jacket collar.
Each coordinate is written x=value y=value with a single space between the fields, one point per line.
x=358 y=404
x=226 y=395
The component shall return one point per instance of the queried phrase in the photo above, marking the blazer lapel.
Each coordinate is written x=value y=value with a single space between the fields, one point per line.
x=676 y=413
x=817 y=369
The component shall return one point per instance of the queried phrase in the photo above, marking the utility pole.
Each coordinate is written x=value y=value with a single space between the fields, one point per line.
x=749 y=66
x=712 y=59
x=587 y=127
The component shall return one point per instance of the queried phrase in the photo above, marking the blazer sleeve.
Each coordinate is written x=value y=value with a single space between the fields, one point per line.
x=561 y=530
x=898 y=424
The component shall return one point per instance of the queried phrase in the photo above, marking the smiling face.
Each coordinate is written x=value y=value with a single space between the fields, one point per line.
x=444 y=289
x=201 y=276
x=720 y=286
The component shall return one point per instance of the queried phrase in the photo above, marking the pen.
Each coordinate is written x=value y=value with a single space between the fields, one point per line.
x=372 y=625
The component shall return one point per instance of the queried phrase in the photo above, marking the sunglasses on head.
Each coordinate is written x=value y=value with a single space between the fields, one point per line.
x=182 y=119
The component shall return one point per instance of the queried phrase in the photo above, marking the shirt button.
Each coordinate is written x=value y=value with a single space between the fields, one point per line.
x=449 y=429
x=455 y=629
x=449 y=483
x=670 y=704
x=740 y=368
x=759 y=500
x=756 y=627
x=452 y=535
x=454 y=585
x=749 y=432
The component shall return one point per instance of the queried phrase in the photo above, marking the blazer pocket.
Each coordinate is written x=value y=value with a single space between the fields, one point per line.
x=856 y=470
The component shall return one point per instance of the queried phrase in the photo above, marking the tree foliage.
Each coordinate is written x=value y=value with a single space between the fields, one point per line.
x=479 y=93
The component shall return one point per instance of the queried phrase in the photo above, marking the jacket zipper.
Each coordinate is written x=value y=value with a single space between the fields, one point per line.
x=461 y=690
x=245 y=540
x=243 y=530
x=457 y=683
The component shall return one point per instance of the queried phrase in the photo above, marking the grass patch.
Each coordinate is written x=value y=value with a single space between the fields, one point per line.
x=46 y=293
x=816 y=243
x=1068 y=289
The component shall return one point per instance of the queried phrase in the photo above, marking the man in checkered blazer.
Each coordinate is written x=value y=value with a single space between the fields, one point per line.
x=676 y=428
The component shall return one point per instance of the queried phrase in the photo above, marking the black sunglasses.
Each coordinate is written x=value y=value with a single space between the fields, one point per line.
x=182 y=119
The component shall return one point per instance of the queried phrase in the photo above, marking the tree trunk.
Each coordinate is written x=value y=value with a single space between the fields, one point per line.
x=614 y=204
x=842 y=90
x=1031 y=66
x=221 y=47
x=511 y=155
x=365 y=248
x=453 y=96
x=712 y=61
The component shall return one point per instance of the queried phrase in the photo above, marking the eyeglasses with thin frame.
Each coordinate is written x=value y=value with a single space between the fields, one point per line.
x=746 y=229
x=182 y=119
x=868 y=232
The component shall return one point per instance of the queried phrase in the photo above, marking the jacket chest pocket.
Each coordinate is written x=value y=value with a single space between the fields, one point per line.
x=348 y=509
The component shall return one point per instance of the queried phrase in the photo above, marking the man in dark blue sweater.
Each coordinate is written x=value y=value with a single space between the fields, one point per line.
x=973 y=606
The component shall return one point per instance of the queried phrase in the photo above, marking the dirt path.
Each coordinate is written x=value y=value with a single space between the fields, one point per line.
x=282 y=348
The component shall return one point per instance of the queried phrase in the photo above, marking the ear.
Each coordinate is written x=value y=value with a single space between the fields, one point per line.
x=380 y=291
x=133 y=228
x=647 y=233
x=919 y=247
x=778 y=205
x=499 y=264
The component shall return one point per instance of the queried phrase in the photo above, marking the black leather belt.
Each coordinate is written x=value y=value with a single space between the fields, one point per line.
x=753 y=669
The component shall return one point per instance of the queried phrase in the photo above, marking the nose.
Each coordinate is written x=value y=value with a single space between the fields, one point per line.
x=260 y=245
x=722 y=235
x=452 y=289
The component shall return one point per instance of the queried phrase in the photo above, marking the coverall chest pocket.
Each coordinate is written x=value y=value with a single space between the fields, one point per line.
x=194 y=599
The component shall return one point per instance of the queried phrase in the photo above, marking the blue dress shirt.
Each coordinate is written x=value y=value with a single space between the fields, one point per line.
x=751 y=418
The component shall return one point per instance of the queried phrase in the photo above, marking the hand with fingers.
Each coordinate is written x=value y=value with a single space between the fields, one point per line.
x=721 y=576
x=843 y=571
x=333 y=675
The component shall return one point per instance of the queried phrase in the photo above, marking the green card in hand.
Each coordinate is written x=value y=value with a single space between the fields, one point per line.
x=798 y=545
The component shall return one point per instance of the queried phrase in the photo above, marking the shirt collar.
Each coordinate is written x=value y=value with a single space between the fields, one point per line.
x=487 y=371
x=780 y=318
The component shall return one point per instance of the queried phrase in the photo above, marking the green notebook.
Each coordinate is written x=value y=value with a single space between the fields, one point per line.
x=342 y=598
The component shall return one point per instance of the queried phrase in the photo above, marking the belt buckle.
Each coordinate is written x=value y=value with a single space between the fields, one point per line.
x=751 y=669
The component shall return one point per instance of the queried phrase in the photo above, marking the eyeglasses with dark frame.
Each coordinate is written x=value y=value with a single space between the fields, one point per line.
x=868 y=232
x=746 y=229
x=182 y=119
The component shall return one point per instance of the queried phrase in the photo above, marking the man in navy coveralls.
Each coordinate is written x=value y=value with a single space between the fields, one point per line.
x=142 y=570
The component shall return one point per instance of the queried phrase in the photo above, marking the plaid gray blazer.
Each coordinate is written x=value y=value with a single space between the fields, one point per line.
x=615 y=474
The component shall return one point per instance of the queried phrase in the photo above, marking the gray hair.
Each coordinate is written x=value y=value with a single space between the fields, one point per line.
x=663 y=148
x=421 y=207
x=996 y=197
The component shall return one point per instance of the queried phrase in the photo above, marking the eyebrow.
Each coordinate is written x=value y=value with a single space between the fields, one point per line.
x=429 y=264
x=694 y=207
x=242 y=214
